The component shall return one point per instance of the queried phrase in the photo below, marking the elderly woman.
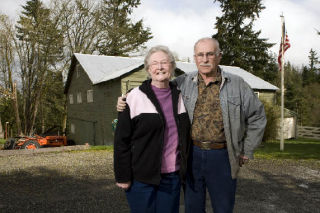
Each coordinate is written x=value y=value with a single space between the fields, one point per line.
x=152 y=139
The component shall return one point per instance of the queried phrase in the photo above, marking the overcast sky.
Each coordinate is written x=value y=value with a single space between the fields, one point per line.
x=179 y=23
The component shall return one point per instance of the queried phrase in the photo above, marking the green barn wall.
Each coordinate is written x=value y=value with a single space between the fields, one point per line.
x=93 y=121
x=267 y=96
x=133 y=80
x=108 y=96
x=81 y=115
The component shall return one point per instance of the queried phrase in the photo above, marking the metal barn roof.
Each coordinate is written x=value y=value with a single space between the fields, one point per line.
x=104 y=68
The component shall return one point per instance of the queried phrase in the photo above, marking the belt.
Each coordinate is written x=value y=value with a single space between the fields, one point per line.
x=207 y=145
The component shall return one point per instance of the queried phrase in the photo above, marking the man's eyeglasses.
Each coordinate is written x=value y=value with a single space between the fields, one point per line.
x=208 y=55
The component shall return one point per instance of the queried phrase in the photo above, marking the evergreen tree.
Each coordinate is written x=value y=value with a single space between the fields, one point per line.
x=313 y=59
x=310 y=74
x=39 y=48
x=294 y=90
x=242 y=46
x=310 y=109
x=120 y=36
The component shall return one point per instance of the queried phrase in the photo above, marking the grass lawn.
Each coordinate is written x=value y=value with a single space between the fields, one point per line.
x=299 y=149
x=2 y=141
x=97 y=148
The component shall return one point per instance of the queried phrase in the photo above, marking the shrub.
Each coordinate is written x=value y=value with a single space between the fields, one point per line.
x=273 y=114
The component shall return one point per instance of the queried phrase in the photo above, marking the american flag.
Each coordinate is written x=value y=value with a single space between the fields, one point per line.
x=286 y=46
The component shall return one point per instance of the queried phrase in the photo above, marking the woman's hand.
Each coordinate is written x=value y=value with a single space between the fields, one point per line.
x=121 y=104
x=124 y=185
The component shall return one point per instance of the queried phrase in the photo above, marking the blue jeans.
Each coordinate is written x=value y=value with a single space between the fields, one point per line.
x=146 y=198
x=210 y=169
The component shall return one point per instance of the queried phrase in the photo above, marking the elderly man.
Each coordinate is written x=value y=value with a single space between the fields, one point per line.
x=228 y=122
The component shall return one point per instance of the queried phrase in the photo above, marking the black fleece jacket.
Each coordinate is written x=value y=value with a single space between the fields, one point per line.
x=139 y=136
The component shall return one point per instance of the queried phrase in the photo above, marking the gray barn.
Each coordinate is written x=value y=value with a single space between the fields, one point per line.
x=94 y=83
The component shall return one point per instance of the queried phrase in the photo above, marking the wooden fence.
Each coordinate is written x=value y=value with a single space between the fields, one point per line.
x=309 y=132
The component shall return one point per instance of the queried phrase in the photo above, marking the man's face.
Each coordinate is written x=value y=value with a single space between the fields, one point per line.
x=207 y=57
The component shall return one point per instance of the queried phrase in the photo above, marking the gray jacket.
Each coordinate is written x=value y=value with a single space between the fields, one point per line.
x=243 y=114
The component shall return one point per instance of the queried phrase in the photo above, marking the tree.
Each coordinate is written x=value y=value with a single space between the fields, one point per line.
x=242 y=46
x=293 y=89
x=78 y=20
x=39 y=48
x=120 y=36
x=310 y=109
x=310 y=74
x=7 y=63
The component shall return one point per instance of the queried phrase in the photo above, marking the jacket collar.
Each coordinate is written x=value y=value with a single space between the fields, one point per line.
x=224 y=75
x=146 y=88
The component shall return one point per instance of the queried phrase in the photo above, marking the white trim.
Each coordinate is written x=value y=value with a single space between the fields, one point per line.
x=79 y=98
x=71 y=98
x=90 y=96
x=72 y=128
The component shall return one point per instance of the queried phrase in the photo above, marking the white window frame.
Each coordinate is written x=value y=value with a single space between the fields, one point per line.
x=72 y=128
x=90 y=96
x=79 y=98
x=71 y=99
x=257 y=94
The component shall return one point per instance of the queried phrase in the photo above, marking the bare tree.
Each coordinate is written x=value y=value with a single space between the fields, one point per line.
x=78 y=21
x=7 y=66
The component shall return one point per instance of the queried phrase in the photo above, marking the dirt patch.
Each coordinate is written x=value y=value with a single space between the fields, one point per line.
x=83 y=182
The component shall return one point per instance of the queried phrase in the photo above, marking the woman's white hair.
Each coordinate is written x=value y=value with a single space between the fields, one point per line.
x=159 y=48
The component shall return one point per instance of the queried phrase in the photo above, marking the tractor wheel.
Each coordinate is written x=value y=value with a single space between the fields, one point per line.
x=31 y=145
x=71 y=143
x=9 y=143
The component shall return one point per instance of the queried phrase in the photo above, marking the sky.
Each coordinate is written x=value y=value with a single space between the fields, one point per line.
x=178 y=24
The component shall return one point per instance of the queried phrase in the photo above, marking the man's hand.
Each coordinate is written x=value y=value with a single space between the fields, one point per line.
x=121 y=104
x=124 y=185
x=243 y=160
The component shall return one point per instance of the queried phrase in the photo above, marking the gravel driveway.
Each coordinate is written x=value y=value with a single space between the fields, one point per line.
x=83 y=181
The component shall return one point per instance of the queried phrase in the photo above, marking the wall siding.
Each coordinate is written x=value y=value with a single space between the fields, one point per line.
x=109 y=93
x=268 y=96
x=133 y=80
x=81 y=114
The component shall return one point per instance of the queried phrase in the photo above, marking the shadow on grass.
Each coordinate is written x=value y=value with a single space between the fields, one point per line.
x=49 y=191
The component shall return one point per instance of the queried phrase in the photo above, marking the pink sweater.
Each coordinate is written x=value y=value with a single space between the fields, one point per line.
x=170 y=147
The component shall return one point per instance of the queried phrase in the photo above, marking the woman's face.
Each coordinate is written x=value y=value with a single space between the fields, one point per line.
x=160 y=68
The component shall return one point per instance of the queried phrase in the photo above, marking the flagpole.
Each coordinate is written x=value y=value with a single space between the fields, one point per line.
x=282 y=86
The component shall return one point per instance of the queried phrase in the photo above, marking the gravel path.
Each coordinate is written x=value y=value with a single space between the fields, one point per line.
x=83 y=181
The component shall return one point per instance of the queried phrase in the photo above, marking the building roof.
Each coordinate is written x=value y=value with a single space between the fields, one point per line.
x=254 y=81
x=102 y=68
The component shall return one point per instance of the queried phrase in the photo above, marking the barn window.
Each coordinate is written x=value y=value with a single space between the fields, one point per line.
x=71 y=98
x=79 y=98
x=90 y=96
x=257 y=94
x=72 y=128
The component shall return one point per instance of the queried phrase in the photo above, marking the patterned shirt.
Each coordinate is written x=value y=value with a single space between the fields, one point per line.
x=207 y=120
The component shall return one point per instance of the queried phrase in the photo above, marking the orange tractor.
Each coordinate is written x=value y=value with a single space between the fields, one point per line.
x=48 y=139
